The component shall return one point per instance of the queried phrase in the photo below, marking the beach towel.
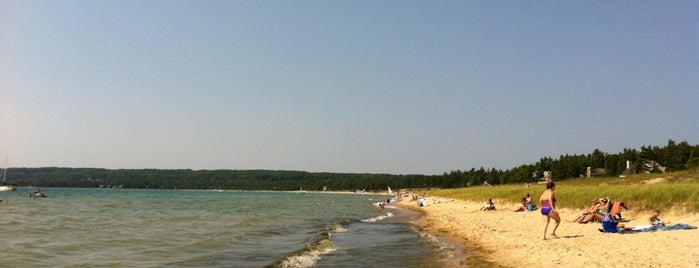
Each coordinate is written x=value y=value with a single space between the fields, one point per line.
x=653 y=228
x=678 y=226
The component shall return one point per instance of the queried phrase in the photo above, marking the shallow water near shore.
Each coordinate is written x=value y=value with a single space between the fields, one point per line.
x=180 y=228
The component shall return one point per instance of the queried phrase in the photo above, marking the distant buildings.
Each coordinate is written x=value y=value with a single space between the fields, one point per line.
x=647 y=166
x=546 y=178
x=595 y=172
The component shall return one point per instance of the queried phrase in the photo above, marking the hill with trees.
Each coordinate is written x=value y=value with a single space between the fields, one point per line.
x=672 y=157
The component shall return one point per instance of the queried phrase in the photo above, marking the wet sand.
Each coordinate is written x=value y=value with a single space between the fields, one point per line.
x=514 y=239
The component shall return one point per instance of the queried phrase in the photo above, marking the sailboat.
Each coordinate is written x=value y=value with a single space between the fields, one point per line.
x=389 y=191
x=4 y=187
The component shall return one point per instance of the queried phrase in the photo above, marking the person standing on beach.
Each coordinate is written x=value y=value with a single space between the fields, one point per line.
x=548 y=208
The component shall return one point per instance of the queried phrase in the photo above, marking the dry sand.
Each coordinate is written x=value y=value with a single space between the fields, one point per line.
x=508 y=239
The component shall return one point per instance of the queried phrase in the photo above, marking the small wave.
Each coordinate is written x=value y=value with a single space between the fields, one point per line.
x=206 y=243
x=337 y=228
x=445 y=249
x=308 y=256
x=378 y=218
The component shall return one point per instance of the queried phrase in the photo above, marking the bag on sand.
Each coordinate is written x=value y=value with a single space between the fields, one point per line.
x=609 y=225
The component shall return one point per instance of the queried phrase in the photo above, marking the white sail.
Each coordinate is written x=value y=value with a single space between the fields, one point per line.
x=389 y=190
x=4 y=171
x=4 y=187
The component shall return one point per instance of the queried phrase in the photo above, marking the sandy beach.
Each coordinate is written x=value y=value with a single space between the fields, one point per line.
x=503 y=238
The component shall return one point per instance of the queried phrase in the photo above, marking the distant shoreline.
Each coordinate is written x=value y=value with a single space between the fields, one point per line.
x=209 y=190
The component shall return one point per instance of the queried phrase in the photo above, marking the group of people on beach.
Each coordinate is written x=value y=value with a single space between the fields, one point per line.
x=599 y=208
x=602 y=210
x=525 y=205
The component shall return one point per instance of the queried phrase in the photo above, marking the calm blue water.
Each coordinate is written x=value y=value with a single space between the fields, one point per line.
x=165 y=228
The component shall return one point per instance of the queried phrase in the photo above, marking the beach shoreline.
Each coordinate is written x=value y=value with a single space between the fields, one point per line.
x=503 y=238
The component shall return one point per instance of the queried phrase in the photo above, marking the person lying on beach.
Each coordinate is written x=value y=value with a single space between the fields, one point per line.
x=522 y=205
x=489 y=205
x=439 y=201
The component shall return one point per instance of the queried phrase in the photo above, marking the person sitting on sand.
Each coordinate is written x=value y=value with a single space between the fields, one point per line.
x=522 y=205
x=530 y=205
x=422 y=202
x=597 y=212
x=588 y=211
x=655 y=219
x=489 y=205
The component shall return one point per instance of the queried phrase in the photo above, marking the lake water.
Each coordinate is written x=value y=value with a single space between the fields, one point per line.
x=179 y=228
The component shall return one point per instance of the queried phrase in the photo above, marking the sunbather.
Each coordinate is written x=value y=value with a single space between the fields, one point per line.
x=489 y=205
x=655 y=219
x=598 y=211
x=530 y=205
x=588 y=211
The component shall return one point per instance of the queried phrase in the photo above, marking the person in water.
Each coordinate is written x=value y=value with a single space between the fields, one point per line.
x=548 y=208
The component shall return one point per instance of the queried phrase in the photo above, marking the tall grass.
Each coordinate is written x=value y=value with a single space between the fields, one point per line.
x=670 y=191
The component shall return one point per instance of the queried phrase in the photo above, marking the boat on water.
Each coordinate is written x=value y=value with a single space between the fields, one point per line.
x=7 y=188
x=4 y=187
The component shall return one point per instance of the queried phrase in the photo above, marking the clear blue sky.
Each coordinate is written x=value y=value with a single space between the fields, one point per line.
x=398 y=87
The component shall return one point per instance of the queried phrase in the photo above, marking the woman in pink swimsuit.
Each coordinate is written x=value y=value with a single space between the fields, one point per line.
x=548 y=208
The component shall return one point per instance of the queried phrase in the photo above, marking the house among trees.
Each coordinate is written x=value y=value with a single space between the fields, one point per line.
x=546 y=178
x=595 y=172
x=647 y=166
x=651 y=166
x=628 y=170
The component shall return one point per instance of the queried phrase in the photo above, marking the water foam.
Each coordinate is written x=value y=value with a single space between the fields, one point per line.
x=307 y=257
x=337 y=228
x=378 y=218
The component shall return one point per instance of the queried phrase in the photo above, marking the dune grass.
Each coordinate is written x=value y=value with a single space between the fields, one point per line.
x=677 y=191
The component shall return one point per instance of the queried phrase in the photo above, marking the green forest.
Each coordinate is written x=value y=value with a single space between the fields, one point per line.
x=671 y=157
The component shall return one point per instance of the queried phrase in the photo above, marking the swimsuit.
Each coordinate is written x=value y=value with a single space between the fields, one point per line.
x=545 y=207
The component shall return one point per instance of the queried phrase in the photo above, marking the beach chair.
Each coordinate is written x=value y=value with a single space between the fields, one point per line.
x=615 y=211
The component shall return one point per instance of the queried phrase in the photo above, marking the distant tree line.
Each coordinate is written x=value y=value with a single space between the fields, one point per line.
x=212 y=179
x=673 y=157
